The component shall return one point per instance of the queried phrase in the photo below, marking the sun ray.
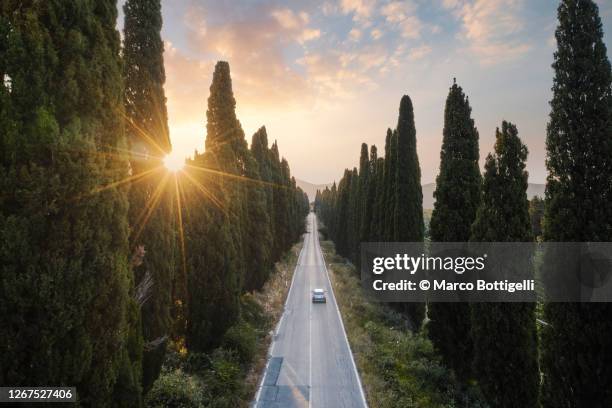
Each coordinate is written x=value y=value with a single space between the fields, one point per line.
x=143 y=133
x=236 y=176
x=133 y=178
x=144 y=216
x=207 y=194
x=181 y=232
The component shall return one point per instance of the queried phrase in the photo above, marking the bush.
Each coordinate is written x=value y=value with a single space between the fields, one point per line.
x=241 y=338
x=175 y=389
x=224 y=385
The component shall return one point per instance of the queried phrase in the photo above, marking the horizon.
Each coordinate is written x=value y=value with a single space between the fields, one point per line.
x=328 y=76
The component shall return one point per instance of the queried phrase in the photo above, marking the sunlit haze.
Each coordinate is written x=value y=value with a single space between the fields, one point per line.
x=175 y=161
x=324 y=76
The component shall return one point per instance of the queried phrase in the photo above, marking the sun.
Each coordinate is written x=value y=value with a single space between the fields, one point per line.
x=174 y=162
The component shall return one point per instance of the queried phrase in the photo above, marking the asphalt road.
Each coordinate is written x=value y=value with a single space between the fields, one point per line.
x=310 y=363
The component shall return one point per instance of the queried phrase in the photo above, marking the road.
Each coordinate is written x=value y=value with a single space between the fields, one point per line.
x=310 y=362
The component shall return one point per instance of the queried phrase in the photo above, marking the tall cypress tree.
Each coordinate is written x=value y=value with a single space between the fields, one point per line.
x=213 y=233
x=408 y=208
x=147 y=128
x=225 y=149
x=577 y=342
x=390 y=186
x=363 y=222
x=63 y=219
x=377 y=227
x=342 y=213
x=369 y=206
x=457 y=198
x=504 y=334
x=353 y=220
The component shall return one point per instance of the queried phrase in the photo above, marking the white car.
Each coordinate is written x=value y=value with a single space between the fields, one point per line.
x=318 y=296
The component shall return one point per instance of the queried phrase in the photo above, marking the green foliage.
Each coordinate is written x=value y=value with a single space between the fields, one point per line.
x=536 y=216
x=175 y=389
x=577 y=343
x=504 y=334
x=244 y=211
x=408 y=208
x=398 y=368
x=147 y=129
x=63 y=248
x=457 y=197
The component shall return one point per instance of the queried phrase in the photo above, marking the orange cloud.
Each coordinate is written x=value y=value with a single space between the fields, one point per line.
x=492 y=28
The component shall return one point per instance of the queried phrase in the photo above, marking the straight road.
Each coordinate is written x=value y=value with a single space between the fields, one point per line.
x=310 y=362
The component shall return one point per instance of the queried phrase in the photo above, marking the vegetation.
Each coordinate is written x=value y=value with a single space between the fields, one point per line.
x=228 y=375
x=502 y=329
x=457 y=198
x=149 y=140
x=141 y=286
x=107 y=255
x=536 y=216
x=64 y=250
x=577 y=342
x=398 y=368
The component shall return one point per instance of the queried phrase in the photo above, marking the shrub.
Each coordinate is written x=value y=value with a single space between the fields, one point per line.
x=241 y=338
x=175 y=389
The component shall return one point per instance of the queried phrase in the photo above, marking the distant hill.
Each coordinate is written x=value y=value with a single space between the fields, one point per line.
x=533 y=189
x=311 y=189
x=428 y=190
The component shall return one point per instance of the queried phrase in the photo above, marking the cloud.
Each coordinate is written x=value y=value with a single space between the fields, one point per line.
x=419 y=52
x=492 y=28
x=355 y=34
x=376 y=34
x=403 y=15
x=310 y=34
x=290 y=20
x=361 y=9
x=254 y=39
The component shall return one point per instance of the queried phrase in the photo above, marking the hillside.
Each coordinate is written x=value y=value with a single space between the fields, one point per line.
x=533 y=189
x=311 y=189
x=428 y=190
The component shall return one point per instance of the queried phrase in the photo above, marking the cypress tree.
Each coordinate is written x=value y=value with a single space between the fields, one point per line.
x=577 y=342
x=367 y=233
x=353 y=221
x=363 y=221
x=504 y=334
x=214 y=220
x=408 y=208
x=258 y=235
x=457 y=198
x=342 y=213
x=388 y=202
x=63 y=217
x=377 y=228
x=147 y=129
x=536 y=215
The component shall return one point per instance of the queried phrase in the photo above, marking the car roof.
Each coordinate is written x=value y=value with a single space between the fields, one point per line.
x=318 y=290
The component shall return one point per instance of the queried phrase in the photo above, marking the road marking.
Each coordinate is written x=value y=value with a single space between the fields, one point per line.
x=320 y=252
x=278 y=325
x=310 y=387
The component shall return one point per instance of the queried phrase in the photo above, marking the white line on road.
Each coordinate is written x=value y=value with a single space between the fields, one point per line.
x=277 y=328
x=365 y=403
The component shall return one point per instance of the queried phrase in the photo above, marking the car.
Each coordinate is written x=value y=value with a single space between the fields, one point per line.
x=318 y=296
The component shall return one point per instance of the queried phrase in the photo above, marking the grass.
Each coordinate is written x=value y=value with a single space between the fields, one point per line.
x=398 y=368
x=228 y=376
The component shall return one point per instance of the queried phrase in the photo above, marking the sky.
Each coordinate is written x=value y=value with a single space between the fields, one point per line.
x=325 y=76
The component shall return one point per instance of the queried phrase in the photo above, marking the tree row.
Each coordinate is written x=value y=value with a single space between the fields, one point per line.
x=566 y=362
x=107 y=257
